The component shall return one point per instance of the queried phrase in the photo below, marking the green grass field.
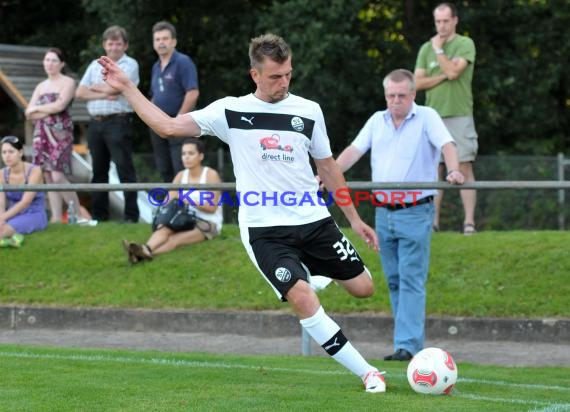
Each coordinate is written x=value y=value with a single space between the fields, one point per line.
x=35 y=379
x=503 y=274
x=511 y=274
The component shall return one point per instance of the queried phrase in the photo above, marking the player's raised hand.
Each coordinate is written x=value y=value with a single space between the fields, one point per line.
x=113 y=75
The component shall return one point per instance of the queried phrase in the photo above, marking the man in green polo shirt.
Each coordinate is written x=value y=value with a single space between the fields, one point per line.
x=444 y=68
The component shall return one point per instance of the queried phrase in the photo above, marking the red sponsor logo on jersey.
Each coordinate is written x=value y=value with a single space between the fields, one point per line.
x=273 y=142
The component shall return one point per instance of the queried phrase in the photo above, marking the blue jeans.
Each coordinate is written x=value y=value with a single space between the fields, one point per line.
x=405 y=237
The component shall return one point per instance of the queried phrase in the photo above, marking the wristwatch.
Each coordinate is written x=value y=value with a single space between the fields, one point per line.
x=439 y=51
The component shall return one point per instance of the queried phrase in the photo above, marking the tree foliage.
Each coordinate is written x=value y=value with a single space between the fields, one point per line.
x=41 y=23
x=342 y=49
x=522 y=84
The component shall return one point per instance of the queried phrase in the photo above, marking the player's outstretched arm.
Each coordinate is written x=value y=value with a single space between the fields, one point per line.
x=156 y=119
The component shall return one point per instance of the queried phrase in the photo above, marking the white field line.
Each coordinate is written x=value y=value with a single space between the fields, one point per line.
x=158 y=361
x=515 y=385
x=502 y=383
x=556 y=407
x=548 y=407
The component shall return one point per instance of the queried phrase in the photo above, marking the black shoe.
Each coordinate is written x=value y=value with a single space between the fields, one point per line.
x=399 y=355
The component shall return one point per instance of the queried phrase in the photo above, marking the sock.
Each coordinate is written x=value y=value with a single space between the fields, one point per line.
x=328 y=334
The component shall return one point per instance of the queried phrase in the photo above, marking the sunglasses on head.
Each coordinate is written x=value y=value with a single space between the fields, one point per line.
x=10 y=139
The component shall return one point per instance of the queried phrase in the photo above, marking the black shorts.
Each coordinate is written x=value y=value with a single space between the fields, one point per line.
x=285 y=254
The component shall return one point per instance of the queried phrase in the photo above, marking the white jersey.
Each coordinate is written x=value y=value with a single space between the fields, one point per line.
x=270 y=145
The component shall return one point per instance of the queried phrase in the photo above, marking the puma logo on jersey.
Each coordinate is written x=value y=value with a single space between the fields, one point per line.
x=245 y=119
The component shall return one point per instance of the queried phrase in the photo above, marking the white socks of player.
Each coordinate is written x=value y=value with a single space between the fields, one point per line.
x=327 y=333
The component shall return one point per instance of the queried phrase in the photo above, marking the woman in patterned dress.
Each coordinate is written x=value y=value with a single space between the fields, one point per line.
x=53 y=130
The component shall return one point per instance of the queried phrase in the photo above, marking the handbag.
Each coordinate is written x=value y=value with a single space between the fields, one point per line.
x=175 y=216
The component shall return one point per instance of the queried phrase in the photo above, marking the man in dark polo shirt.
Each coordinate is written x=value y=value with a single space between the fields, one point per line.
x=174 y=89
x=110 y=136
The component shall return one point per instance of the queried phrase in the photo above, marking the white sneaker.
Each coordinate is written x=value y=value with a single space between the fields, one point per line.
x=374 y=382
x=85 y=222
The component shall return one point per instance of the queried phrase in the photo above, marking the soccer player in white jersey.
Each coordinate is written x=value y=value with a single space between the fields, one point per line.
x=286 y=229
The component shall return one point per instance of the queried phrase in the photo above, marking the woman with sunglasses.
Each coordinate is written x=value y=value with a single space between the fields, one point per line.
x=53 y=130
x=20 y=212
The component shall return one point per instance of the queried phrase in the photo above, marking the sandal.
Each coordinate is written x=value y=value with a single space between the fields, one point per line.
x=130 y=256
x=141 y=252
x=469 y=229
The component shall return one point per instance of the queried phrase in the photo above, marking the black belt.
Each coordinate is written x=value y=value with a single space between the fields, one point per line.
x=398 y=205
x=104 y=118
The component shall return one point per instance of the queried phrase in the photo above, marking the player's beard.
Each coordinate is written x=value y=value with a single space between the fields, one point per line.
x=280 y=95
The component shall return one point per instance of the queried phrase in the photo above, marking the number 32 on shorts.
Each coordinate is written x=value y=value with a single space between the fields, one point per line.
x=344 y=249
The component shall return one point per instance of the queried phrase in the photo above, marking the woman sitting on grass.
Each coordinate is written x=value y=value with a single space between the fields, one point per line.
x=20 y=212
x=209 y=217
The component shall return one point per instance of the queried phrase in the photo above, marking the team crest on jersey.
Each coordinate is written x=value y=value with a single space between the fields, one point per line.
x=297 y=123
x=283 y=274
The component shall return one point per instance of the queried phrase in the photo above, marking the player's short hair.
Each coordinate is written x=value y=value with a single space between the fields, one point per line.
x=398 y=76
x=115 y=33
x=268 y=45
x=164 y=25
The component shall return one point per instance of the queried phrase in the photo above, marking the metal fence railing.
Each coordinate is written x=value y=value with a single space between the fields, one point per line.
x=231 y=186
x=532 y=202
x=515 y=192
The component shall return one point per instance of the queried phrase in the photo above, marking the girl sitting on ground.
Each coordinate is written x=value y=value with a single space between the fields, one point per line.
x=20 y=212
x=209 y=217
